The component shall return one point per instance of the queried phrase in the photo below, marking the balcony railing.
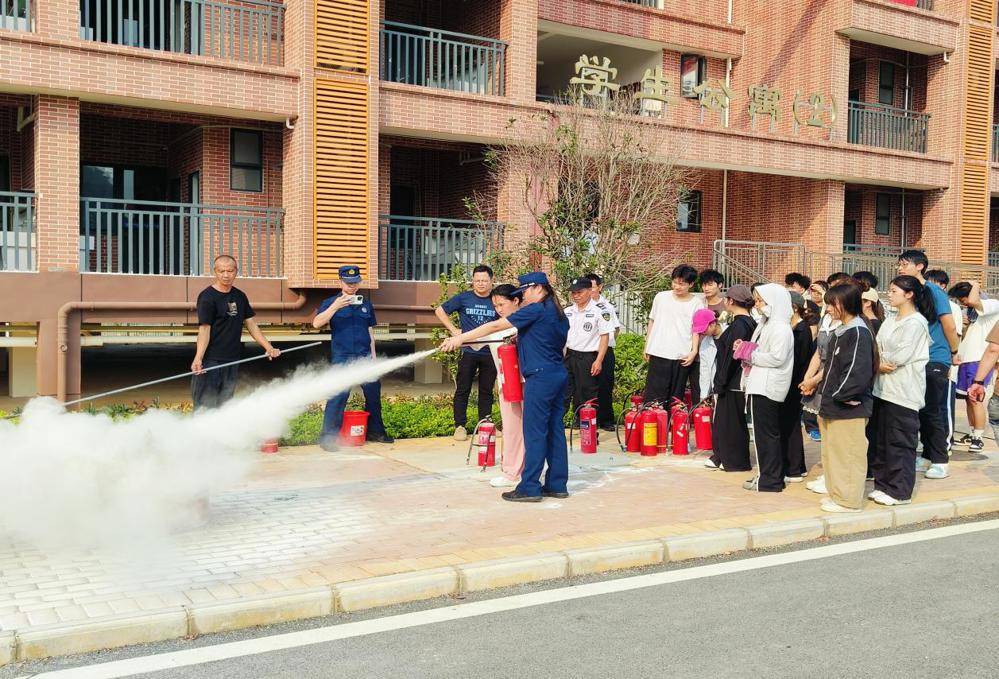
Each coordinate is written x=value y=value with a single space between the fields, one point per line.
x=450 y=61
x=15 y=15
x=177 y=239
x=995 y=143
x=887 y=127
x=994 y=259
x=924 y=4
x=421 y=248
x=646 y=3
x=17 y=232
x=240 y=30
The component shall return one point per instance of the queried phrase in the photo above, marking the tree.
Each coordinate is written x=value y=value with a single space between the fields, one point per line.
x=602 y=184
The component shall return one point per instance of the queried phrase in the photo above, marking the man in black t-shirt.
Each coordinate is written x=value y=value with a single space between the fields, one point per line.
x=223 y=310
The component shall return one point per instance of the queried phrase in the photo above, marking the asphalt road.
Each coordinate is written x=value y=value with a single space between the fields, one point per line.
x=922 y=609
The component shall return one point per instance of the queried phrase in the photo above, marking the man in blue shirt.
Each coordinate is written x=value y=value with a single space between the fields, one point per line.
x=474 y=308
x=352 y=319
x=934 y=423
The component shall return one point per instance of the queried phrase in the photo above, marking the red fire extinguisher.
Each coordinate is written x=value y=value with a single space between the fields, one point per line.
x=587 y=415
x=632 y=432
x=510 y=371
x=688 y=398
x=662 y=428
x=648 y=423
x=678 y=425
x=701 y=415
x=484 y=440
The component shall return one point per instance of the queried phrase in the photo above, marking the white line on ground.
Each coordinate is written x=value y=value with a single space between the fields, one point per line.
x=207 y=654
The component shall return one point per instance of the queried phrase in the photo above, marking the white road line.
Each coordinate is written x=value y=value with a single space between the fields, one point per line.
x=236 y=649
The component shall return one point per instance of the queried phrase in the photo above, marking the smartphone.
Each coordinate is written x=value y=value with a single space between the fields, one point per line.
x=356 y=299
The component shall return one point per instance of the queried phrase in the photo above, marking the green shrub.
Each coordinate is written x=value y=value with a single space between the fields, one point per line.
x=631 y=368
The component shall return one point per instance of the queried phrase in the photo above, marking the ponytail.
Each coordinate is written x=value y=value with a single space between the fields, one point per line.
x=922 y=298
x=553 y=296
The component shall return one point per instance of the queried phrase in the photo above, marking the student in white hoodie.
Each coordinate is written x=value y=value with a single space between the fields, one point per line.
x=900 y=390
x=969 y=353
x=767 y=383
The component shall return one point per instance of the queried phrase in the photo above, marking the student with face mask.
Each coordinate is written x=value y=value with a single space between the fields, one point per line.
x=767 y=382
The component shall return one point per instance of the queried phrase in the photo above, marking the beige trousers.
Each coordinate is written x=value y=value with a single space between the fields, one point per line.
x=844 y=460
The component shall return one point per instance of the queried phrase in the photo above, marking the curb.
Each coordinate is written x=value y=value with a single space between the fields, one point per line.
x=189 y=621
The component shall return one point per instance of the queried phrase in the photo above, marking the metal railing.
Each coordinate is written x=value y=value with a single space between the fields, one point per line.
x=887 y=127
x=177 y=239
x=627 y=305
x=993 y=259
x=16 y=15
x=924 y=4
x=18 y=246
x=995 y=143
x=423 y=248
x=428 y=57
x=238 y=30
x=645 y=3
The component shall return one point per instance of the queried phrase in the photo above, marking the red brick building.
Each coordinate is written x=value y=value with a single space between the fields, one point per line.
x=140 y=138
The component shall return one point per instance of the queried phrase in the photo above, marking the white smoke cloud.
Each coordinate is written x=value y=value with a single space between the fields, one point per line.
x=70 y=479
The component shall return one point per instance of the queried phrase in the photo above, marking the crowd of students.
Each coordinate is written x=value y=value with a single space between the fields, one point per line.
x=875 y=384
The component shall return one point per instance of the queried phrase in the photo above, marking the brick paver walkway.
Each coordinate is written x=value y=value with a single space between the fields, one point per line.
x=306 y=518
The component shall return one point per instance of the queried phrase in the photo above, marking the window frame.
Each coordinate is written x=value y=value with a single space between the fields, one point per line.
x=233 y=164
x=702 y=74
x=882 y=224
x=882 y=86
x=695 y=203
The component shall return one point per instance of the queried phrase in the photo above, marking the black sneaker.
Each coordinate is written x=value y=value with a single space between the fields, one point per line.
x=515 y=496
x=552 y=493
x=976 y=446
x=380 y=438
x=329 y=446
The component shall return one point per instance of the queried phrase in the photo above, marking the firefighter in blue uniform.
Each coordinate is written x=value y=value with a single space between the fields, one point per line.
x=352 y=319
x=541 y=335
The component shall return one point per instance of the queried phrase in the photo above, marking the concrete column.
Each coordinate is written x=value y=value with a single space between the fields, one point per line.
x=57 y=182
x=58 y=19
x=22 y=380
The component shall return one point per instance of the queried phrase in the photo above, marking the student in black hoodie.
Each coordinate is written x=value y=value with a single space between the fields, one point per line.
x=729 y=430
x=792 y=442
x=847 y=400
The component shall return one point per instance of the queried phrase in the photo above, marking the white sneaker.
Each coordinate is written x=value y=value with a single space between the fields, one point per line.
x=922 y=464
x=889 y=501
x=818 y=485
x=937 y=471
x=874 y=495
x=709 y=464
x=460 y=434
x=502 y=482
x=830 y=506
x=793 y=479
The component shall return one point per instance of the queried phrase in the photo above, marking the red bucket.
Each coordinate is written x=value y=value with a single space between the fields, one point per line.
x=354 y=429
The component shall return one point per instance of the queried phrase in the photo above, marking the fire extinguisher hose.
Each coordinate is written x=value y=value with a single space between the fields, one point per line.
x=474 y=437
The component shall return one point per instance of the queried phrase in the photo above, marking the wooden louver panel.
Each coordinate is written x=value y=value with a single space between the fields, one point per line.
x=341 y=176
x=978 y=94
x=981 y=10
x=974 y=212
x=342 y=35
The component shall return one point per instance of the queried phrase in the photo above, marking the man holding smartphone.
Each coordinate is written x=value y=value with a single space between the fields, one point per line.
x=352 y=320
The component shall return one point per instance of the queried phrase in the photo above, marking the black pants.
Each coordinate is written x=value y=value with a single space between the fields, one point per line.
x=730 y=433
x=468 y=364
x=582 y=386
x=665 y=381
x=605 y=390
x=791 y=442
x=215 y=387
x=894 y=463
x=694 y=382
x=934 y=426
x=810 y=420
x=767 y=434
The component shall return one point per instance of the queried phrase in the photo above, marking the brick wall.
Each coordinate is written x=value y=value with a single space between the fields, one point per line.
x=57 y=179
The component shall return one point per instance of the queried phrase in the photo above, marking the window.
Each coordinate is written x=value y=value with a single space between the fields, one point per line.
x=693 y=72
x=886 y=83
x=246 y=161
x=882 y=214
x=4 y=173
x=688 y=213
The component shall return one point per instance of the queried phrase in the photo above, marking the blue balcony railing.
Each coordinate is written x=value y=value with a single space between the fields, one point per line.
x=16 y=15
x=887 y=127
x=237 y=30
x=422 y=248
x=177 y=239
x=442 y=59
x=18 y=246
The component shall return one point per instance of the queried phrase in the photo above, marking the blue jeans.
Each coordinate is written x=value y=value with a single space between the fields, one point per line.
x=333 y=416
x=544 y=432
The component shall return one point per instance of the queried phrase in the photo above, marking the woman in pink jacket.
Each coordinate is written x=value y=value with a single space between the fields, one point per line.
x=512 y=413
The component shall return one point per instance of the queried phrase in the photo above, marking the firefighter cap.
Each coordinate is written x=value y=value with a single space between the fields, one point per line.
x=581 y=283
x=529 y=279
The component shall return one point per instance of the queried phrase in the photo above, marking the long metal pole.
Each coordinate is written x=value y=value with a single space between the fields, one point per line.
x=187 y=374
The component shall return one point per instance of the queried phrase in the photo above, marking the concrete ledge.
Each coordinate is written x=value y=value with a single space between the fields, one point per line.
x=978 y=504
x=256 y=611
x=97 y=634
x=8 y=647
x=847 y=524
x=706 y=544
x=785 y=533
x=507 y=572
x=396 y=589
x=909 y=514
x=600 y=559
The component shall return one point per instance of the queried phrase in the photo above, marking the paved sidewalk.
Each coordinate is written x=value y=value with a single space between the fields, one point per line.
x=306 y=518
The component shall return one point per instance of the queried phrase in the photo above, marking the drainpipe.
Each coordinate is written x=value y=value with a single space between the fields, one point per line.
x=724 y=224
x=728 y=83
x=62 y=323
x=729 y=11
x=903 y=220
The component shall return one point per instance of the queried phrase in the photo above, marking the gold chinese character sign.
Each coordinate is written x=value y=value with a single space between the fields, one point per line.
x=594 y=77
x=763 y=101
